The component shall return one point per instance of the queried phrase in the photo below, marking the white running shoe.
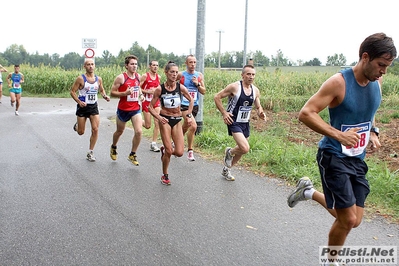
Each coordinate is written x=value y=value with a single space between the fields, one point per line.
x=190 y=156
x=16 y=113
x=298 y=194
x=90 y=156
x=154 y=147
x=227 y=175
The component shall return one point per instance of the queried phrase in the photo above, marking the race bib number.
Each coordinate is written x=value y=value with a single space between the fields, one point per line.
x=171 y=101
x=16 y=85
x=193 y=94
x=243 y=114
x=364 y=133
x=148 y=97
x=91 y=98
x=134 y=96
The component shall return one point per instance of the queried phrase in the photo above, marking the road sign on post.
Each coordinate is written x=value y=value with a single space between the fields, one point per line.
x=89 y=43
x=89 y=53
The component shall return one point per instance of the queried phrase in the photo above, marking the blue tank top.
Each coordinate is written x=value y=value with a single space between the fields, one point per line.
x=16 y=80
x=186 y=80
x=356 y=110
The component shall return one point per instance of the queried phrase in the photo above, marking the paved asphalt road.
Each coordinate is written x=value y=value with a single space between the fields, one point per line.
x=56 y=208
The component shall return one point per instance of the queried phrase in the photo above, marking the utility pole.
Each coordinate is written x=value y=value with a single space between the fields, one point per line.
x=220 y=45
x=200 y=55
x=244 y=57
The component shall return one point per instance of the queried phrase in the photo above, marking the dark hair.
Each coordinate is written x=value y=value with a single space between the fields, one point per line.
x=169 y=65
x=378 y=45
x=127 y=58
x=152 y=61
x=17 y=65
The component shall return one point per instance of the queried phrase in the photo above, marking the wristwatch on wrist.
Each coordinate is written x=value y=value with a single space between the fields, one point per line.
x=188 y=115
x=376 y=130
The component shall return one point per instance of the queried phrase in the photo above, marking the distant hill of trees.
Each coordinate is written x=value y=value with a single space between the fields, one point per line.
x=17 y=54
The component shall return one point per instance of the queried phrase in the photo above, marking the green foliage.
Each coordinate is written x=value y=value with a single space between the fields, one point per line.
x=314 y=62
x=384 y=187
x=336 y=60
x=280 y=90
x=228 y=59
x=46 y=80
x=394 y=69
x=15 y=54
x=390 y=85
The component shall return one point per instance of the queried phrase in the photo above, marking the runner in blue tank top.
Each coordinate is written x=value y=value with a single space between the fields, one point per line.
x=352 y=98
x=15 y=81
x=194 y=82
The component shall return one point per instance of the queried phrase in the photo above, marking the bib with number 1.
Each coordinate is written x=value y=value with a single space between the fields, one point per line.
x=193 y=94
x=364 y=133
x=91 y=94
x=243 y=114
x=91 y=98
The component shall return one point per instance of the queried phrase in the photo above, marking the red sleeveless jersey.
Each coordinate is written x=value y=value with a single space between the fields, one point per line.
x=132 y=101
x=150 y=83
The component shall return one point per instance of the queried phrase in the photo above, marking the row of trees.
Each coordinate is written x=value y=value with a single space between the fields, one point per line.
x=17 y=54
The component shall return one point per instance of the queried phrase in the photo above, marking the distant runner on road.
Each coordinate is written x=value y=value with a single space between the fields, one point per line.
x=148 y=83
x=15 y=81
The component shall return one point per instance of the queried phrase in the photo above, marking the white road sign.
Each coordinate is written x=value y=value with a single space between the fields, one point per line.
x=89 y=43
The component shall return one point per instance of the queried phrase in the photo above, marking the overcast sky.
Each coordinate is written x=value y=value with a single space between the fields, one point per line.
x=301 y=29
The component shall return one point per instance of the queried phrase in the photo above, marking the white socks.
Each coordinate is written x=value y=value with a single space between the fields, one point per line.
x=309 y=193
